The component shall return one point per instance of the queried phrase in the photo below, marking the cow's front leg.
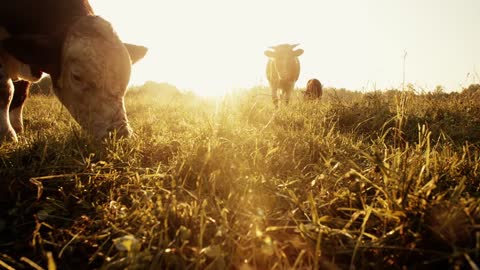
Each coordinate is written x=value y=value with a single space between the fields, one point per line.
x=6 y=94
x=16 y=107
x=275 y=96
x=287 y=94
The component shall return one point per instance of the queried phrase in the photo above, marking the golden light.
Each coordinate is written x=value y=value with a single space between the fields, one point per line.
x=213 y=46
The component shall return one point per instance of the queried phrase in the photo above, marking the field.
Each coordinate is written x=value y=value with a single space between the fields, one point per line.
x=378 y=180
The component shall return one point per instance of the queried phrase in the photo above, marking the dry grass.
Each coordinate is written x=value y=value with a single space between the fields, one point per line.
x=383 y=180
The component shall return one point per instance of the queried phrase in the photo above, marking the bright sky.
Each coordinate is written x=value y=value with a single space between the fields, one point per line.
x=214 y=46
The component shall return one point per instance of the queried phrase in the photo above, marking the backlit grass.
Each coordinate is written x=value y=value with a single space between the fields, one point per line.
x=375 y=181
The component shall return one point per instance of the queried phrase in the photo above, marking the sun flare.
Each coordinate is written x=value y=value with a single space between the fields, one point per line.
x=211 y=47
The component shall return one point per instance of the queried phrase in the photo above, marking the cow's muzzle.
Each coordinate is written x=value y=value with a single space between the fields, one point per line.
x=123 y=131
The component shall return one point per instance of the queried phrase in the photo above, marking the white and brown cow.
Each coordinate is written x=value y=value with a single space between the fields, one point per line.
x=89 y=65
x=283 y=70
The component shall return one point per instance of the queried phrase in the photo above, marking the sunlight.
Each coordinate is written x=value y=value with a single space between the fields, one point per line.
x=226 y=177
x=211 y=47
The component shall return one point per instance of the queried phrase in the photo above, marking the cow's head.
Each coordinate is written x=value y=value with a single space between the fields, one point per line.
x=284 y=59
x=90 y=69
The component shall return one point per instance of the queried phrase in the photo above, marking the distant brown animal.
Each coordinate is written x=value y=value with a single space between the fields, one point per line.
x=314 y=90
x=283 y=70
x=88 y=64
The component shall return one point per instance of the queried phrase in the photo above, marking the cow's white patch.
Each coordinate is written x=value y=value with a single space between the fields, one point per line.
x=16 y=119
x=6 y=92
x=6 y=130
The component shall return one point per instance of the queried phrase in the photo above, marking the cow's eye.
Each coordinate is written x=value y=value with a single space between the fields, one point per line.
x=78 y=81
x=76 y=77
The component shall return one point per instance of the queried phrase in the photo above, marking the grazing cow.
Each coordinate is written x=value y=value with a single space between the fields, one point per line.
x=88 y=64
x=283 y=69
x=314 y=90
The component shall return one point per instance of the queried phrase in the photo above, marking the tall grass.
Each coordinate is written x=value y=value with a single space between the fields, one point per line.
x=365 y=181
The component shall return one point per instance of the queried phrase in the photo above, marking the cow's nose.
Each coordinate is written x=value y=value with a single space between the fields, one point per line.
x=124 y=131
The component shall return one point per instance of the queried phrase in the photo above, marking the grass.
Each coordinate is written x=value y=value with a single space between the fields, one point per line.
x=381 y=180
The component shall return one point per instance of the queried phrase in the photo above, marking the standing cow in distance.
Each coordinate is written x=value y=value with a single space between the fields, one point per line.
x=283 y=70
x=314 y=90
x=88 y=63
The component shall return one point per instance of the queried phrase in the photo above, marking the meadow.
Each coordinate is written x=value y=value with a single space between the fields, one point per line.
x=376 y=180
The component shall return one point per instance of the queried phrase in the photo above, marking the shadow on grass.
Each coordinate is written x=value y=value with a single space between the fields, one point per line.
x=47 y=188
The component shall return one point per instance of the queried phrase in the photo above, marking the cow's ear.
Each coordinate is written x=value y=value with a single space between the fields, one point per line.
x=32 y=49
x=269 y=54
x=298 y=52
x=136 y=52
